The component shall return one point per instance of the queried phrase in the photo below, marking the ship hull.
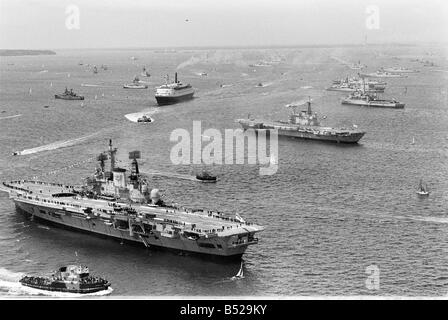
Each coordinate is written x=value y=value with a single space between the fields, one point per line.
x=66 y=289
x=374 y=105
x=166 y=100
x=67 y=220
x=56 y=96
x=349 y=139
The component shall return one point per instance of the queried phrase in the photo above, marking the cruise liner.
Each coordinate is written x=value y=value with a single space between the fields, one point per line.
x=114 y=204
x=304 y=125
x=174 y=92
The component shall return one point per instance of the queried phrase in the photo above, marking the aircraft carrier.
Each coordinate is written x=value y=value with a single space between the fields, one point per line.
x=115 y=204
x=304 y=125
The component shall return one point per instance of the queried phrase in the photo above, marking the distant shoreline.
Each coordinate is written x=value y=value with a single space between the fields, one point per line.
x=14 y=52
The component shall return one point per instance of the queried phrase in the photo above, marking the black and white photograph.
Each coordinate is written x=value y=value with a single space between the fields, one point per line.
x=227 y=150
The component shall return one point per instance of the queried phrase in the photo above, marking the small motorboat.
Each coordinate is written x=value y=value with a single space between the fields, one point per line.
x=205 y=177
x=422 y=190
x=71 y=278
x=135 y=84
x=145 y=119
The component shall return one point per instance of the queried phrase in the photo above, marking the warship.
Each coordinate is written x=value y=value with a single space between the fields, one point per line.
x=383 y=74
x=362 y=98
x=400 y=70
x=113 y=204
x=352 y=85
x=71 y=278
x=68 y=95
x=174 y=92
x=304 y=125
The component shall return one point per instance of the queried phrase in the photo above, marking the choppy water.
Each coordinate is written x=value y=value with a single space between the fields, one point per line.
x=330 y=211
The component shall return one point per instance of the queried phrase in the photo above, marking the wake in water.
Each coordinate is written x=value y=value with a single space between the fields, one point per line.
x=10 y=286
x=55 y=145
x=137 y=115
x=171 y=175
x=264 y=85
x=10 y=117
x=96 y=85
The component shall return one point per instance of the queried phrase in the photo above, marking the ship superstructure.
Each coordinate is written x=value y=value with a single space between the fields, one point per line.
x=119 y=205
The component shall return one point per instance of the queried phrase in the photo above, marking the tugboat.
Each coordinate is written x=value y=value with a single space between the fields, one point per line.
x=71 y=278
x=174 y=92
x=422 y=190
x=135 y=84
x=204 y=176
x=304 y=125
x=68 y=95
x=362 y=98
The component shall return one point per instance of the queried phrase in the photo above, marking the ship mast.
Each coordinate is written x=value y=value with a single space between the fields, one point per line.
x=112 y=152
x=308 y=103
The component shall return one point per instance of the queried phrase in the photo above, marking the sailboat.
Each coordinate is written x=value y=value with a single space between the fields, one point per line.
x=422 y=190
x=240 y=274
x=145 y=73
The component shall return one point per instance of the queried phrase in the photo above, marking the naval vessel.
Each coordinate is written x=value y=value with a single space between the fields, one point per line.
x=361 y=98
x=114 y=204
x=68 y=95
x=304 y=125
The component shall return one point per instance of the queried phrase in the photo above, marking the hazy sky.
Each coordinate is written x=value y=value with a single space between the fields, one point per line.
x=41 y=24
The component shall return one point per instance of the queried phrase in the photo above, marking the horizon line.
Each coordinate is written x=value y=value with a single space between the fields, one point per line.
x=279 y=46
